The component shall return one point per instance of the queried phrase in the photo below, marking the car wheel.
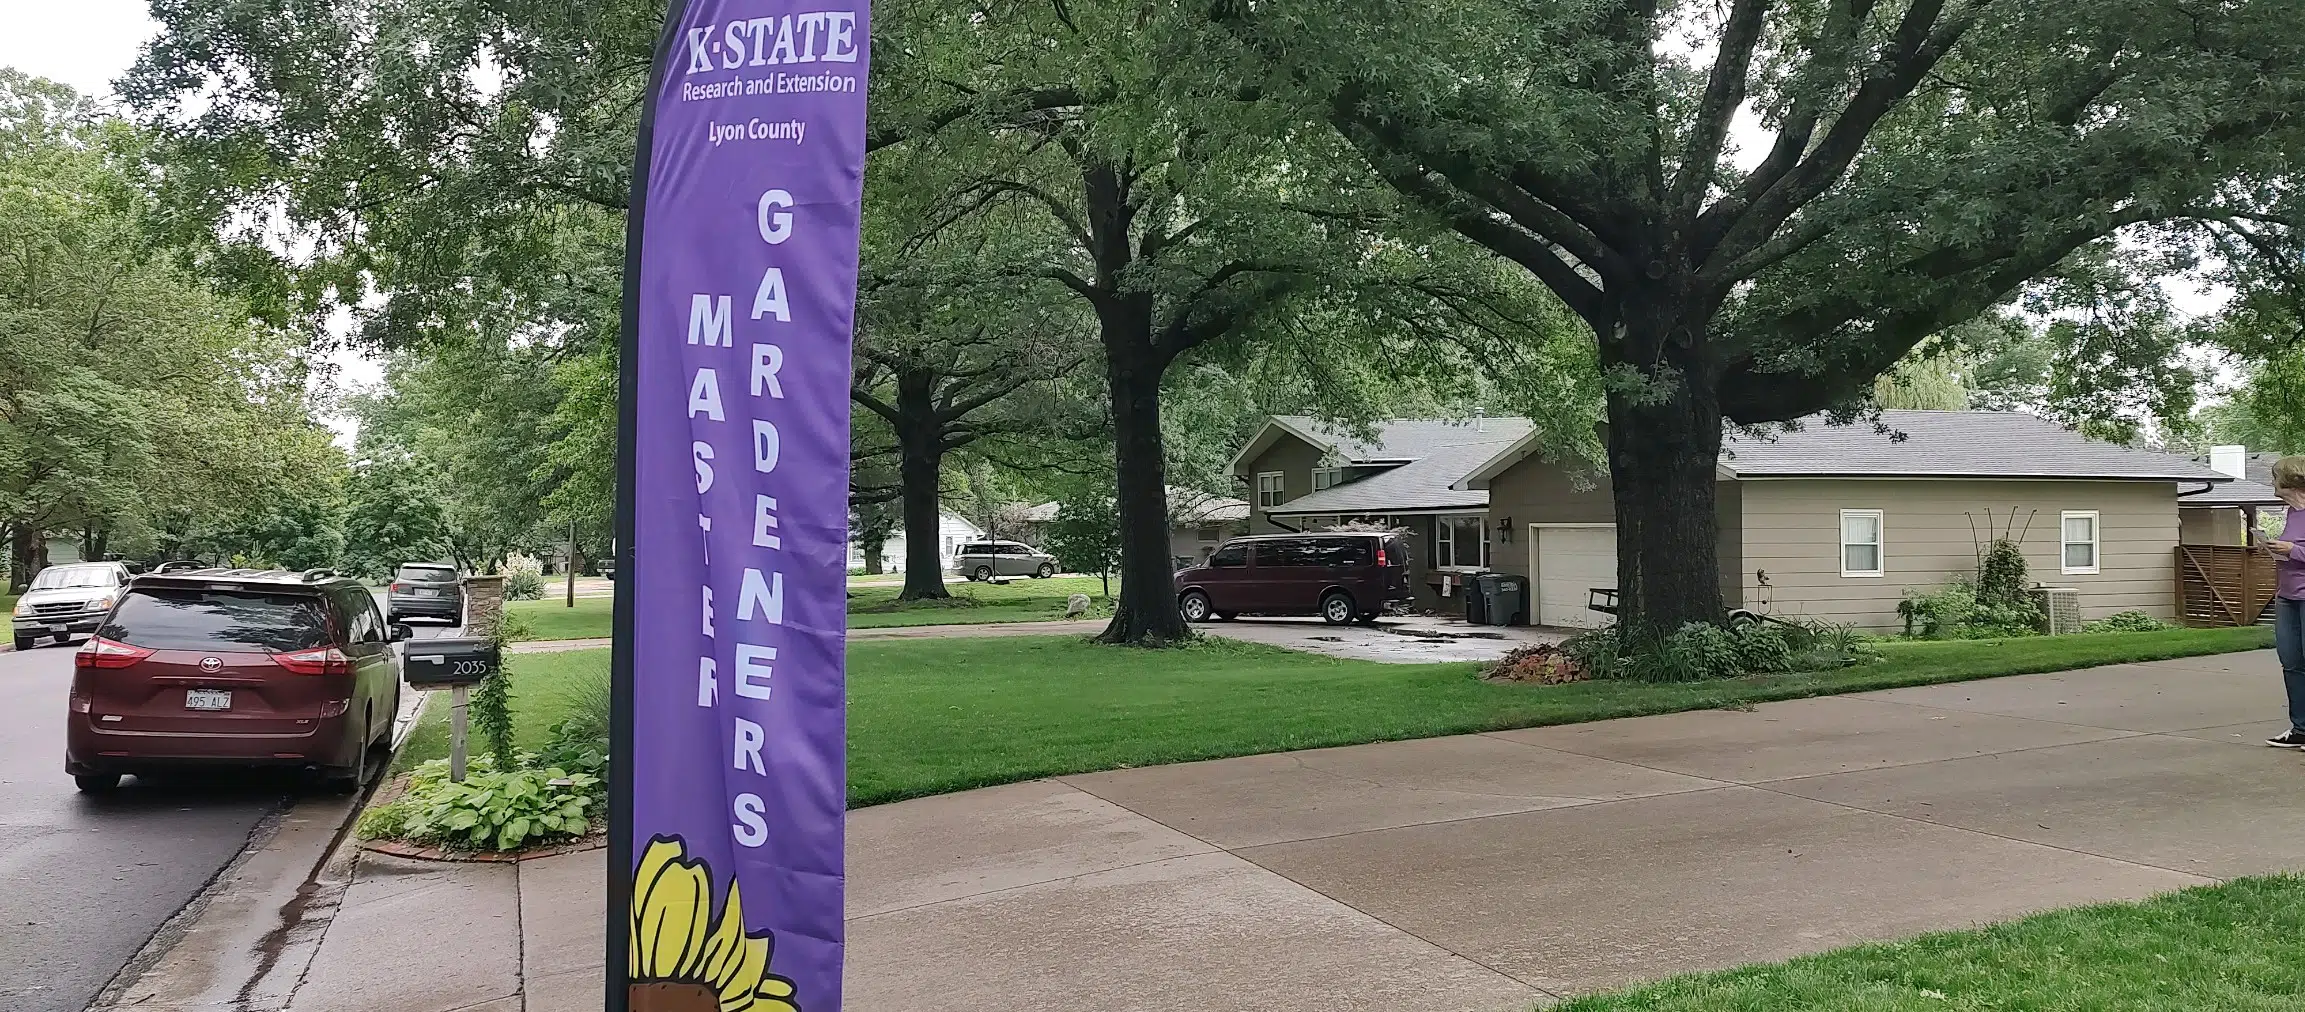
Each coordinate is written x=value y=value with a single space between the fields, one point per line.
x=96 y=783
x=26 y=642
x=1195 y=606
x=1337 y=608
x=1045 y=571
x=347 y=780
x=981 y=574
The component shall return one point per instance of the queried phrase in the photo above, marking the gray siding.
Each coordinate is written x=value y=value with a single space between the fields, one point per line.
x=1791 y=531
x=1540 y=491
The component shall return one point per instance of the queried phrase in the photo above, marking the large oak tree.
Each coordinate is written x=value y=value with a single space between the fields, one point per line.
x=1758 y=206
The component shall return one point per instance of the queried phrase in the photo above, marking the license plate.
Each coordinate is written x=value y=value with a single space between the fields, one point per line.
x=421 y=592
x=207 y=699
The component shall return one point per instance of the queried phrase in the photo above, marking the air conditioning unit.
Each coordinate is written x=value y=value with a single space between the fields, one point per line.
x=2060 y=609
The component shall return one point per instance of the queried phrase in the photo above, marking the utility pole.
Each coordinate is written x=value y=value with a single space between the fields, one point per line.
x=571 y=564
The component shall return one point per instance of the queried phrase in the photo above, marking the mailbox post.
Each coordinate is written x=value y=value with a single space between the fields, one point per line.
x=457 y=664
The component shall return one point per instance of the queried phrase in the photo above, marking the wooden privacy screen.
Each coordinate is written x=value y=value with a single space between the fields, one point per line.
x=2221 y=585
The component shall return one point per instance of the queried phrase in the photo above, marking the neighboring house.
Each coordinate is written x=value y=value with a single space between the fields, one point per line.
x=952 y=529
x=1838 y=523
x=1198 y=522
x=1301 y=474
x=2219 y=514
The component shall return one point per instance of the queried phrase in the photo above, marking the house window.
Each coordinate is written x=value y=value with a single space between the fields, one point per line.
x=1460 y=541
x=1861 y=543
x=1268 y=489
x=2080 y=549
x=1327 y=477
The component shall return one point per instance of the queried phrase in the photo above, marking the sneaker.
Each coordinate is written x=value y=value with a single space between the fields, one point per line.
x=2288 y=739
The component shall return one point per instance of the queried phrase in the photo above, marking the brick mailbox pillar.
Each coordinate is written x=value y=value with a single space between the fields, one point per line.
x=483 y=604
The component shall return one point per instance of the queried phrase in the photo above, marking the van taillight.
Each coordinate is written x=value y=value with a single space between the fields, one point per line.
x=103 y=653
x=1381 y=556
x=323 y=661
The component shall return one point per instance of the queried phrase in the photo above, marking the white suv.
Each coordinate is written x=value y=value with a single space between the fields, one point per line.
x=983 y=560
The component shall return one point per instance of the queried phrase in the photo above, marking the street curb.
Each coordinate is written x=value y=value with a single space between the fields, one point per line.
x=245 y=940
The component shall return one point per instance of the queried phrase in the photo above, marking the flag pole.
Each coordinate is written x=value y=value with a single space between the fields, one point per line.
x=616 y=979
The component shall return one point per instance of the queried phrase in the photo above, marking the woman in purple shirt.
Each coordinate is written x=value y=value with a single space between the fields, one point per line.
x=2288 y=552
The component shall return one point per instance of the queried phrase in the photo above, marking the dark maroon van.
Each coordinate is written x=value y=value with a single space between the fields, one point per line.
x=1341 y=577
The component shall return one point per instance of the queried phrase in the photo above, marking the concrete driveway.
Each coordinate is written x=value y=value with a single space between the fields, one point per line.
x=1497 y=871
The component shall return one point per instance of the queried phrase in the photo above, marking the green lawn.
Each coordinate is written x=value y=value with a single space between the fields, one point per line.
x=2237 y=947
x=7 y=613
x=871 y=608
x=544 y=689
x=932 y=716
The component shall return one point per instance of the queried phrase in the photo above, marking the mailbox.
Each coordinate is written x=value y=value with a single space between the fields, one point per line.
x=448 y=662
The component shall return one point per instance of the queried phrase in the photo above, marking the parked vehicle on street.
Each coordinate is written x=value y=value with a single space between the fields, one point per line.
x=425 y=590
x=235 y=667
x=983 y=560
x=66 y=601
x=1342 y=577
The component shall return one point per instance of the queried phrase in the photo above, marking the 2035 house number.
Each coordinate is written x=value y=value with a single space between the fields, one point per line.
x=459 y=668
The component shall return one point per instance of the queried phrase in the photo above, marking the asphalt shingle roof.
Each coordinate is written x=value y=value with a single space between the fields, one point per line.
x=1952 y=444
x=1411 y=438
x=1422 y=485
x=2231 y=493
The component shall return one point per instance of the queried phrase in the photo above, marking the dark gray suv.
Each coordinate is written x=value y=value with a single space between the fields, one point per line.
x=425 y=590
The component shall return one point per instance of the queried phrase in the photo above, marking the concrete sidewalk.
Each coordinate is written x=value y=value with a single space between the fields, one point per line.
x=1481 y=872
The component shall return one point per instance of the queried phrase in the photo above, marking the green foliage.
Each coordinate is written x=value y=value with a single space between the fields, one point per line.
x=1961 y=611
x=2127 y=621
x=493 y=809
x=490 y=707
x=1703 y=652
x=140 y=409
x=1085 y=536
x=579 y=741
x=523 y=579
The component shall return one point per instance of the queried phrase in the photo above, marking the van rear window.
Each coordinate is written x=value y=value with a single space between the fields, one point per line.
x=221 y=620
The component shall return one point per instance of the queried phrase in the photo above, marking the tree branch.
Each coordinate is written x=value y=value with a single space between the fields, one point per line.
x=1724 y=94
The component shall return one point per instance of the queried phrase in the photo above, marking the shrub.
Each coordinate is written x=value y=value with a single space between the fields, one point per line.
x=490 y=810
x=2128 y=621
x=523 y=579
x=1964 y=611
x=1763 y=648
x=1700 y=651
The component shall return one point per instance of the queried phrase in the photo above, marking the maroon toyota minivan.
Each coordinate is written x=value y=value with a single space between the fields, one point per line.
x=235 y=667
x=1339 y=576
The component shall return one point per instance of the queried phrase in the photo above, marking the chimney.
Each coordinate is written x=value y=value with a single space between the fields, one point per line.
x=2230 y=461
x=1480 y=418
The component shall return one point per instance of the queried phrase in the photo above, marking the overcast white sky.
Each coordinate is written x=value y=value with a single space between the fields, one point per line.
x=89 y=43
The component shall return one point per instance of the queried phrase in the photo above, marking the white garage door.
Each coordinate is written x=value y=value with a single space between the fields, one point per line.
x=1569 y=562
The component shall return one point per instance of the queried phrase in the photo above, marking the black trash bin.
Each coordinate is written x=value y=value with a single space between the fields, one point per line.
x=1509 y=603
x=1476 y=600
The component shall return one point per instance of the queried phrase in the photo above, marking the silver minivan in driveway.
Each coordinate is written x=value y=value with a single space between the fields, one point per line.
x=983 y=560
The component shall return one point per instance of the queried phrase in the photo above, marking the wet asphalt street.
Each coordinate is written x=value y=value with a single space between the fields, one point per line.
x=86 y=880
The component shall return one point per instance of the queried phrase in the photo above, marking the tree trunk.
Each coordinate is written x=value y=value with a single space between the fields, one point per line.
x=920 y=468
x=1664 y=449
x=872 y=560
x=1146 y=614
x=23 y=556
